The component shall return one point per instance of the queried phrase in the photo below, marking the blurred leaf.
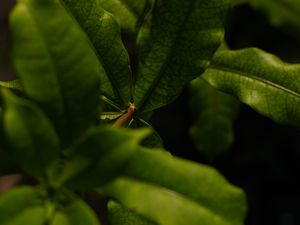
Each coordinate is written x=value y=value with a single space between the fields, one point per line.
x=56 y=65
x=118 y=215
x=282 y=13
x=13 y=85
x=32 y=138
x=27 y=205
x=76 y=212
x=261 y=80
x=182 y=39
x=129 y=13
x=104 y=33
x=214 y=114
x=100 y=156
x=177 y=191
x=22 y=206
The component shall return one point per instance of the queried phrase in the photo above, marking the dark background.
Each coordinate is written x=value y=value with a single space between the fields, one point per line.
x=264 y=160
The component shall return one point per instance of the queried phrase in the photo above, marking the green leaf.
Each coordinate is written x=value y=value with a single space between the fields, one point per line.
x=27 y=205
x=32 y=138
x=104 y=33
x=22 y=206
x=76 y=212
x=177 y=47
x=118 y=215
x=281 y=13
x=129 y=13
x=261 y=80
x=214 y=113
x=13 y=85
x=170 y=191
x=56 y=65
x=100 y=156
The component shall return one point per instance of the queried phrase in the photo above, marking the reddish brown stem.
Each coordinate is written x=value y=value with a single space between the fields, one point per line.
x=119 y=122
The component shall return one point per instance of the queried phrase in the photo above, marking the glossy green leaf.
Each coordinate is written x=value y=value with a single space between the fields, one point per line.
x=104 y=33
x=32 y=138
x=282 y=13
x=129 y=13
x=100 y=156
x=22 y=206
x=214 y=113
x=56 y=65
x=118 y=215
x=179 y=45
x=261 y=80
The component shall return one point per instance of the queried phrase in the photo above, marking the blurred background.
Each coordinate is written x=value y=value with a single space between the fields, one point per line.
x=265 y=157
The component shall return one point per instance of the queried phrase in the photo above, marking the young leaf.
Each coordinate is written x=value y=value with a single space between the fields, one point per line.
x=76 y=212
x=22 y=206
x=129 y=13
x=100 y=156
x=260 y=80
x=33 y=141
x=283 y=14
x=26 y=205
x=56 y=65
x=118 y=215
x=214 y=113
x=180 y=42
x=104 y=33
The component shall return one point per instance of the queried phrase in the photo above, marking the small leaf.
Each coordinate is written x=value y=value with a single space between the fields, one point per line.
x=129 y=13
x=214 y=114
x=27 y=205
x=100 y=156
x=104 y=33
x=176 y=191
x=31 y=136
x=76 y=212
x=176 y=47
x=118 y=215
x=56 y=65
x=261 y=80
x=22 y=206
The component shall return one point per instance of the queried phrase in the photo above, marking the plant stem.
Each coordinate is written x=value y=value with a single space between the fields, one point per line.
x=119 y=122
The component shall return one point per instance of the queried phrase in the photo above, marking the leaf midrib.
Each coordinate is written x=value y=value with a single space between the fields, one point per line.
x=106 y=68
x=56 y=77
x=255 y=78
x=169 y=56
